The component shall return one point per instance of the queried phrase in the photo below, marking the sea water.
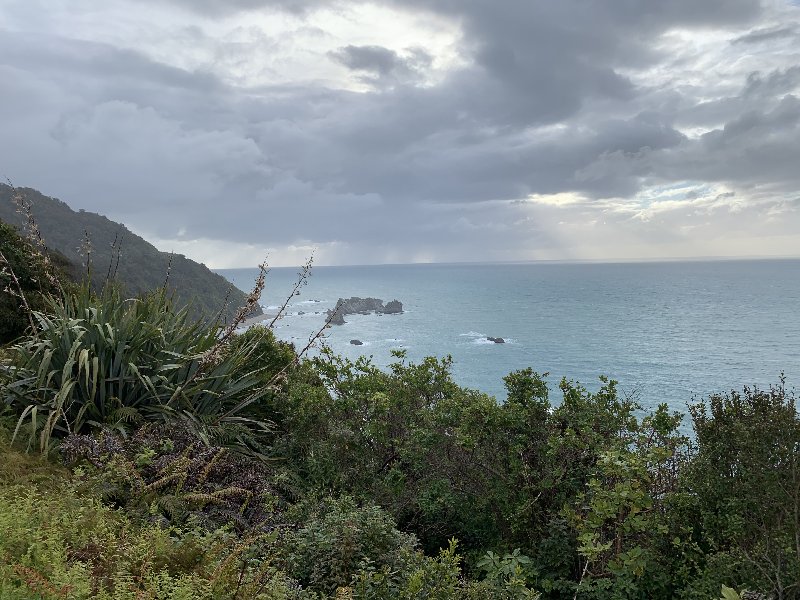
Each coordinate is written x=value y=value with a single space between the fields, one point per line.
x=668 y=332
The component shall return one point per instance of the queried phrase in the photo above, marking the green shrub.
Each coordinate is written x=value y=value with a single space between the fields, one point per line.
x=337 y=538
x=429 y=452
x=419 y=576
x=104 y=361
x=274 y=363
x=745 y=481
x=165 y=475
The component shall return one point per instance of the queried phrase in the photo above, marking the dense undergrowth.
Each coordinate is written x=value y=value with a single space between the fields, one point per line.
x=155 y=457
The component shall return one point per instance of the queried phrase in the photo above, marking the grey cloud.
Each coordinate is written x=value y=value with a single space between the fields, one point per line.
x=376 y=59
x=543 y=103
x=505 y=165
x=64 y=58
x=84 y=74
x=217 y=8
x=768 y=34
x=756 y=148
x=650 y=14
x=541 y=62
x=775 y=83
x=382 y=65
x=758 y=92
x=782 y=119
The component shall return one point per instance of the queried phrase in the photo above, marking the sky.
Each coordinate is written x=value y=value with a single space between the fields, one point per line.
x=407 y=131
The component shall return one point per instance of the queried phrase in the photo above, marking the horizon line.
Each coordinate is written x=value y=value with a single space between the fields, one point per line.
x=552 y=261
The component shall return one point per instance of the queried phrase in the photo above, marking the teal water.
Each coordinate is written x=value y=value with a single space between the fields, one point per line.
x=667 y=332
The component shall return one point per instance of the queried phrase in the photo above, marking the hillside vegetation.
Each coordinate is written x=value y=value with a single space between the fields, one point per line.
x=141 y=267
x=146 y=455
x=23 y=271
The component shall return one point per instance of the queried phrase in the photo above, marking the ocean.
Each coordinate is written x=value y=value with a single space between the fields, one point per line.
x=666 y=331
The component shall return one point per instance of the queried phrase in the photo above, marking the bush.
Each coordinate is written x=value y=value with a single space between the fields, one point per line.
x=745 y=479
x=429 y=452
x=337 y=538
x=104 y=361
x=166 y=476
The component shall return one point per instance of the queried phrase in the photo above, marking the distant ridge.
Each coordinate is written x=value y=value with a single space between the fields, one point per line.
x=142 y=267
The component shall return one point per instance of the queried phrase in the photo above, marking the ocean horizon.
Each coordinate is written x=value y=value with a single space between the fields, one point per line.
x=668 y=331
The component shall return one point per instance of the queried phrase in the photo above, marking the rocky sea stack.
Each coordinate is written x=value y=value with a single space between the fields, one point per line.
x=362 y=306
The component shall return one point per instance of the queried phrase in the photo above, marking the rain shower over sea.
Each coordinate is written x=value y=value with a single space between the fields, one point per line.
x=667 y=331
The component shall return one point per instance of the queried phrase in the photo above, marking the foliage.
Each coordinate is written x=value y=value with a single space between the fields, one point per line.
x=31 y=273
x=508 y=574
x=272 y=363
x=410 y=440
x=57 y=542
x=745 y=481
x=60 y=540
x=368 y=481
x=165 y=475
x=104 y=361
x=336 y=538
x=583 y=488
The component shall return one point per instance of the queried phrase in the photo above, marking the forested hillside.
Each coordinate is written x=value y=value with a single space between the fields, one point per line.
x=142 y=266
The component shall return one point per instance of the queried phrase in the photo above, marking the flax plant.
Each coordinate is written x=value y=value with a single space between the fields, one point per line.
x=104 y=361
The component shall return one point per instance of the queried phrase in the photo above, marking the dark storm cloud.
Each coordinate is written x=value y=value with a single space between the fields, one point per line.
x=547 y=98
x=758 y=147
x=452 y=167
x=368 y=58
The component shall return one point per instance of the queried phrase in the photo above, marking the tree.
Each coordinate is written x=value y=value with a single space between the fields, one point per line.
x=745 y=479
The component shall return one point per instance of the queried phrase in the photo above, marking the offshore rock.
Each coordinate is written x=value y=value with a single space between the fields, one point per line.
x=393 y=307
x=362 y=306
x=357 y=342
x=497 y=340
x=336 y=317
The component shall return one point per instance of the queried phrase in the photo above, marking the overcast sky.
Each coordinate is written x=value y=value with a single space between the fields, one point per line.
x=413 y=130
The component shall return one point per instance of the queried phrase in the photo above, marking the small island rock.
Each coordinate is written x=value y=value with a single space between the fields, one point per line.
x=357 y=342
x=336 y=317
x=393 y=307
x=362 y=306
